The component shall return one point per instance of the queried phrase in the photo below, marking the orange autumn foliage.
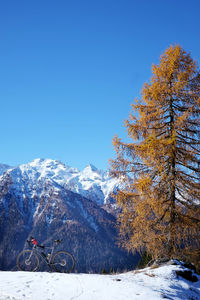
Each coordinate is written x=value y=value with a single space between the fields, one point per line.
x=160 y=205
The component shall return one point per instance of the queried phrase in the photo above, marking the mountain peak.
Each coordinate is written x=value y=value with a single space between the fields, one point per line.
x=44 y=161
x=48 y=164
x=91 y=167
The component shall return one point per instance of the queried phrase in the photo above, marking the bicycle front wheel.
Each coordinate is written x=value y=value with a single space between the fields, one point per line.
x=27 y=260
x=63 y=262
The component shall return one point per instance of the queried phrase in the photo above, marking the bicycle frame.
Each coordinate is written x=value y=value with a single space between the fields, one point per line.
x=35 y=250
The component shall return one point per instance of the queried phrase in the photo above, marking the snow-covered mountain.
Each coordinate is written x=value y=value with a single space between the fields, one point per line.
x=49 y=200
x=91 y=183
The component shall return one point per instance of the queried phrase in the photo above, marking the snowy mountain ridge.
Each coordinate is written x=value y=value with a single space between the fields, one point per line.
x=92 y=183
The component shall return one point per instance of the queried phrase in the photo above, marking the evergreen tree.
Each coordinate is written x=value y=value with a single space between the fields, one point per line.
x=160 y=207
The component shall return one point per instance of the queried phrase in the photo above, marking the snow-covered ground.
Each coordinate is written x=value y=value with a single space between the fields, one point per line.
x=146 y=284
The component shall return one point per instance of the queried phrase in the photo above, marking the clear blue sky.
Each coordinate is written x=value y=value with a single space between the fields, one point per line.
x=69 y=71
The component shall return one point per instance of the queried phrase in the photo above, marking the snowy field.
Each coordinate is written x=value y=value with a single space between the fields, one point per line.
x=146 y=284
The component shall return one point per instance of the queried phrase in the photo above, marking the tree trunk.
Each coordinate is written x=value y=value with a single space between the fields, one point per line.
x=172 y=227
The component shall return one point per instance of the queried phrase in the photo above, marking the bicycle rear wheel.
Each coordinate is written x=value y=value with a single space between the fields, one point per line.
x=28 y=261
x=63 y=262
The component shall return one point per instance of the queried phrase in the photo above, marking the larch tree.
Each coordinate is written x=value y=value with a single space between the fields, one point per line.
x=160 y=204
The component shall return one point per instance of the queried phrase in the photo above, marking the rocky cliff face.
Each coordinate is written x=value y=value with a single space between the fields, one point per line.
x=39 y=199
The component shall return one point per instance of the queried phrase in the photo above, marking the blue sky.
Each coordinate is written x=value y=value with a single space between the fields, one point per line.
x=69 y=71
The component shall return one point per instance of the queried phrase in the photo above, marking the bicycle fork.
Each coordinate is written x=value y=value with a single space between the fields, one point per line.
x=28 y=260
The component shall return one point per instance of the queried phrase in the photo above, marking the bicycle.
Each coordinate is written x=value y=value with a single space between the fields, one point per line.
x=29 y=260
